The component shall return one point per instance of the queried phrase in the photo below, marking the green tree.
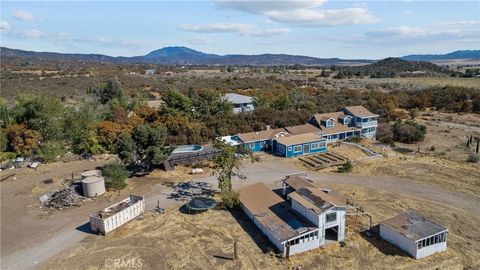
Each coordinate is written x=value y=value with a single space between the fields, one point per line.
x=4 y=113
x=146 y=145
x=261 y=101
x=282 y=103
x=227 y=164
x=50 y=150
x=209 y=104
x=108 y=91
x=176 y=101
x=115 y=175
x=79 y=127
x=125 y=148
x=41 y=113
x=3 y=140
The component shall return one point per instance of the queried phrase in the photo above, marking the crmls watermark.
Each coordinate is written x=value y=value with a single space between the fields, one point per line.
x=133 y=263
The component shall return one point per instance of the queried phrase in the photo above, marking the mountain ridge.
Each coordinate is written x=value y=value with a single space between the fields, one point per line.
x=179 y=55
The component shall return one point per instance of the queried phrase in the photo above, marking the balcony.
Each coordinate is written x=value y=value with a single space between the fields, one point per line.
x=367 y=124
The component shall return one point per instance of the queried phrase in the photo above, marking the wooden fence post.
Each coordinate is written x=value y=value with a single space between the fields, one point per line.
x=235 y=256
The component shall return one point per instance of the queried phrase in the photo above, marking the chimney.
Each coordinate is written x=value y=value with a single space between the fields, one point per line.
x=267 y=127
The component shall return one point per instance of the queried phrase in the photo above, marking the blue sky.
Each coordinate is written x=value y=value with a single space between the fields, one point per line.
x=321 y=28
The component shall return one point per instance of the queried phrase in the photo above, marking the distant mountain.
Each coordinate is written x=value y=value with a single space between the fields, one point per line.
x=394 y=67
x=462 y=54
x=185 y=56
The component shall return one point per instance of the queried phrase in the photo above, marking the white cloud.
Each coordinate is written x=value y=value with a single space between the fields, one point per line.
x=4 y=26
x=202 y=40
x=302 y=13
x=458 y=23
x=33 y=33
x=410 y=35
x=260 y=7
x=268 y=32
x=23 y=15
x=238 y=28
x=217 y=28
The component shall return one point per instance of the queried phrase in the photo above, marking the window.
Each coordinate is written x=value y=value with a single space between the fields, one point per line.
x=317 y=145
x=251 y=145
x=331 y=217
x=281 y=148
x=330 y=123
x=289 y=148
x=432 y=240
x=262 y=144
x=346 y=121
x=297 y=148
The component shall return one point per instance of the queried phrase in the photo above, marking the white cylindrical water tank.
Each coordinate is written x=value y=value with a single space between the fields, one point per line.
x=90 y=173
x=93 y=186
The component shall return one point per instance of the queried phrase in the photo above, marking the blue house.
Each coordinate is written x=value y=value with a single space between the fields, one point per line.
x=259 y=140
x=299 y=145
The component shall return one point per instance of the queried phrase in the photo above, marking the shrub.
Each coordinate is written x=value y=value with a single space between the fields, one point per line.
x=115 y=175
x=354 y=139
x=7 y=156
x=385 y=133
x=347 y=167
x=50 y=150
x=231 y=198
x=473 y=158
x=409 y=132
x=432 y=148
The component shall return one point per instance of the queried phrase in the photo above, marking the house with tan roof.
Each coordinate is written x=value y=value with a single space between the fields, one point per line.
x=350 y=121
x=260 y=140
x=299 y=145
x=309 y=219
x=312 y=137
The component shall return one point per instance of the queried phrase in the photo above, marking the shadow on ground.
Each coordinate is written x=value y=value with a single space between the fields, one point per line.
x=247 y=225
x=85 y=228
x=382 y=245
x=187 y=190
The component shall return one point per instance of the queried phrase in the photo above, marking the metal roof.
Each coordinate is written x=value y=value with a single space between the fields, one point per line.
x=238 y=99
x=413 y=226
x=297 y=182
x=274 y=213
x=315 y=199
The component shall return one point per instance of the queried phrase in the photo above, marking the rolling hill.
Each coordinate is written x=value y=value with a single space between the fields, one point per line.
x=184 y=56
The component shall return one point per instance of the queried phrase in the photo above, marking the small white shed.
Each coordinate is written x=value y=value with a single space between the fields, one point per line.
x=414 y=234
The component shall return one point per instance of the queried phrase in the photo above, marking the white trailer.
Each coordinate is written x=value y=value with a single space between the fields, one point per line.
x=114 y=216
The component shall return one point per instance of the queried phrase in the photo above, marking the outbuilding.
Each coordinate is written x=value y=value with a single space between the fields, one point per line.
x=414 y=234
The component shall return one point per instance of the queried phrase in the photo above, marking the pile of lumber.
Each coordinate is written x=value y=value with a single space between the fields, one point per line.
x=63 y=198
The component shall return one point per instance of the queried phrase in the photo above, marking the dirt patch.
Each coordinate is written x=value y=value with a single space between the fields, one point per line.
x=459 y=176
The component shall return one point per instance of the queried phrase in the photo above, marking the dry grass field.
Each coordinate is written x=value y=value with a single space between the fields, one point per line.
x=181 y=241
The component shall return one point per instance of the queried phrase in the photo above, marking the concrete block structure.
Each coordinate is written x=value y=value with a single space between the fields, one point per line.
x=414 y=234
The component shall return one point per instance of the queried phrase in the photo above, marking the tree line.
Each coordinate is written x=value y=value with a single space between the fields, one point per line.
x=110 y=121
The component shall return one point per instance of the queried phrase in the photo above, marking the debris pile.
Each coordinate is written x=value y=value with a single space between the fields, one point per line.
x=62 y=198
